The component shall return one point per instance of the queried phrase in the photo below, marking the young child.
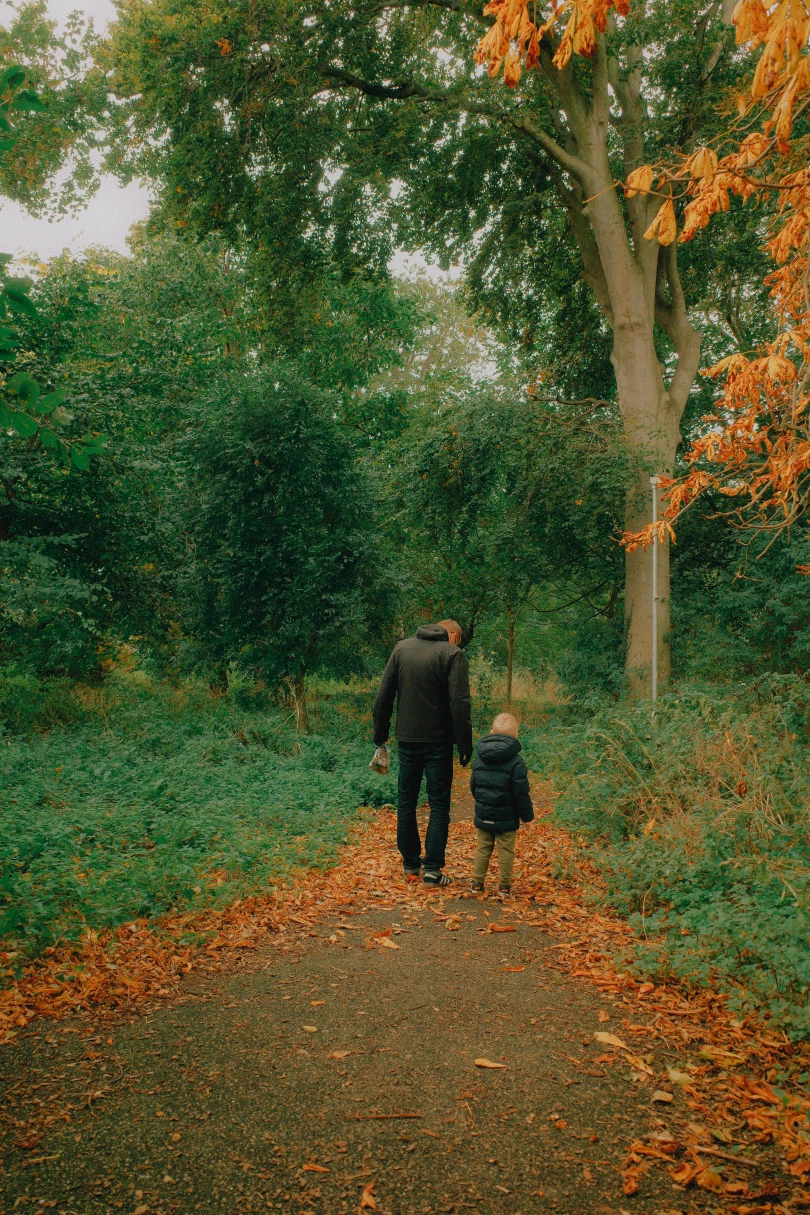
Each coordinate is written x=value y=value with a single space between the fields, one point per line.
x=500 y=785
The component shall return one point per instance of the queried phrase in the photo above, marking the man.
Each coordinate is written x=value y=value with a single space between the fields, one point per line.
x=428 y=675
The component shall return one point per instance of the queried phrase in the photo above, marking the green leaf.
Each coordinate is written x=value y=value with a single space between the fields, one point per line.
x=13 y=77
x=18 y=301
x=24 y=424
x=5 y=416
x=28 y=100
x=80 y=458
x=7 y=144
x=25 y=386
x=8 y=344
x=5 y=125
x=51 y=400
x=5 y=258
x=49 y=439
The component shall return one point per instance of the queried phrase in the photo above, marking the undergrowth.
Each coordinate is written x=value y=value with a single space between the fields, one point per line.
x=698 y=819
x=155 y=799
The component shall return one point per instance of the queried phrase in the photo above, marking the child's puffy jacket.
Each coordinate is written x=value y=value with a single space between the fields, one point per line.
x=500 y=785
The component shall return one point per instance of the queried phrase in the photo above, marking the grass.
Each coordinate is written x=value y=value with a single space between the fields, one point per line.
x=157 y=799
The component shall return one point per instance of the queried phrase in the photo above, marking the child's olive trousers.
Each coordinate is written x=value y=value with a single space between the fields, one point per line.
x=487 y=840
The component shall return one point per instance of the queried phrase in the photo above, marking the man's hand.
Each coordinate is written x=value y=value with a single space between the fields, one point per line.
x=464 y=760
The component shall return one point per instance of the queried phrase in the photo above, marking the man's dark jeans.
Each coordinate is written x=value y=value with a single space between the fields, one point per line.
x=434 y=761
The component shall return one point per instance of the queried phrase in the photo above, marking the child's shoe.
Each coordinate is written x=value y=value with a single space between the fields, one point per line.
x=504 y=892
x=477 y=887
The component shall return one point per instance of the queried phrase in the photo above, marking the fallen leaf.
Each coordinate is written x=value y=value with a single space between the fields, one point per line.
x=314 y=1168
x=513 y=970
x=367 y=1199
x=341 y=1054
x=502 y=928
x=316 y=1003
x=176 y=1137
x=432 y=1134
x=639 y=1065
x=630 y=1181
x=610 y=1040
x=646 y=988
x=310 y=1029
x=386 y=941
x=661 y=1095
x=678 y=1077
x=603 y=1015
x=141 y=1210
x=489 y=1063
x=710 y=1179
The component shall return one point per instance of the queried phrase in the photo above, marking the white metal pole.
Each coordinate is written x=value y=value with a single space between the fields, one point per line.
x=654 y=657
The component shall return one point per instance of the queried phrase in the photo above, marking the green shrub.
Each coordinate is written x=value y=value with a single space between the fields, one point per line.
x=698 y=820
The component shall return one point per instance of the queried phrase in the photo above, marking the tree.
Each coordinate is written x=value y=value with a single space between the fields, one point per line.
x=285 y=576
x=499 y=503
x=294 y=125
x=755 y=448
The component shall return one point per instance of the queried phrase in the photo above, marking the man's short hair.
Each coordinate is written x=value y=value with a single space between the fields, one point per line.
x=506 y=723
x=450 y=626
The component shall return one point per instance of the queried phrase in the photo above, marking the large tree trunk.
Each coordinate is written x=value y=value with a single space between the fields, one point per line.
x=651 y=424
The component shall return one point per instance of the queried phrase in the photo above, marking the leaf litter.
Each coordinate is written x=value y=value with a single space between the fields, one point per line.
x=738 y=1077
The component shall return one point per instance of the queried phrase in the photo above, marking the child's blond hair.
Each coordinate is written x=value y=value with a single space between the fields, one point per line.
x=506 y=723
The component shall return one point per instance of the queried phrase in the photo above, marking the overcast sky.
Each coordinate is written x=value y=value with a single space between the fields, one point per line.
x=111 y=212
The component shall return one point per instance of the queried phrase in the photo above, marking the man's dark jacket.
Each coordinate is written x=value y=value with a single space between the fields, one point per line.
x=430 y=680
x=500 y=785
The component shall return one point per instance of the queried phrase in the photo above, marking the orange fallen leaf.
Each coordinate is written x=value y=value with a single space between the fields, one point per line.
x=367 y=1199
x=513 y=970
x=630 y=1181
x=314 y=1168
x=610 y=1040
x=310 y=1029
x=341 y=1054
x=489 y=1063
x=386 y=941
x=502 y=928
x=603 y=1015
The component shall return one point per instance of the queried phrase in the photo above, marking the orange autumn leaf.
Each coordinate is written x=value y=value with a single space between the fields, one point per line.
x=367 y=1200
x=639 y=181
x=664 y=227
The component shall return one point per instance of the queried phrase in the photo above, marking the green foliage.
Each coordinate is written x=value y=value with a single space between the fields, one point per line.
x=52 y=107
x=48 y=621
x=697 y=819
x=285 y=574
x=500 y=503
x=161 y=799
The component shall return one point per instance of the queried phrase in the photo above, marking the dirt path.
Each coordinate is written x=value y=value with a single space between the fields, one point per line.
x=284 y=1086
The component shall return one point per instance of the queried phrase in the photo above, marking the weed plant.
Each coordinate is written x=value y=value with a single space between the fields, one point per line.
x=156 y=799
x=698 y=818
